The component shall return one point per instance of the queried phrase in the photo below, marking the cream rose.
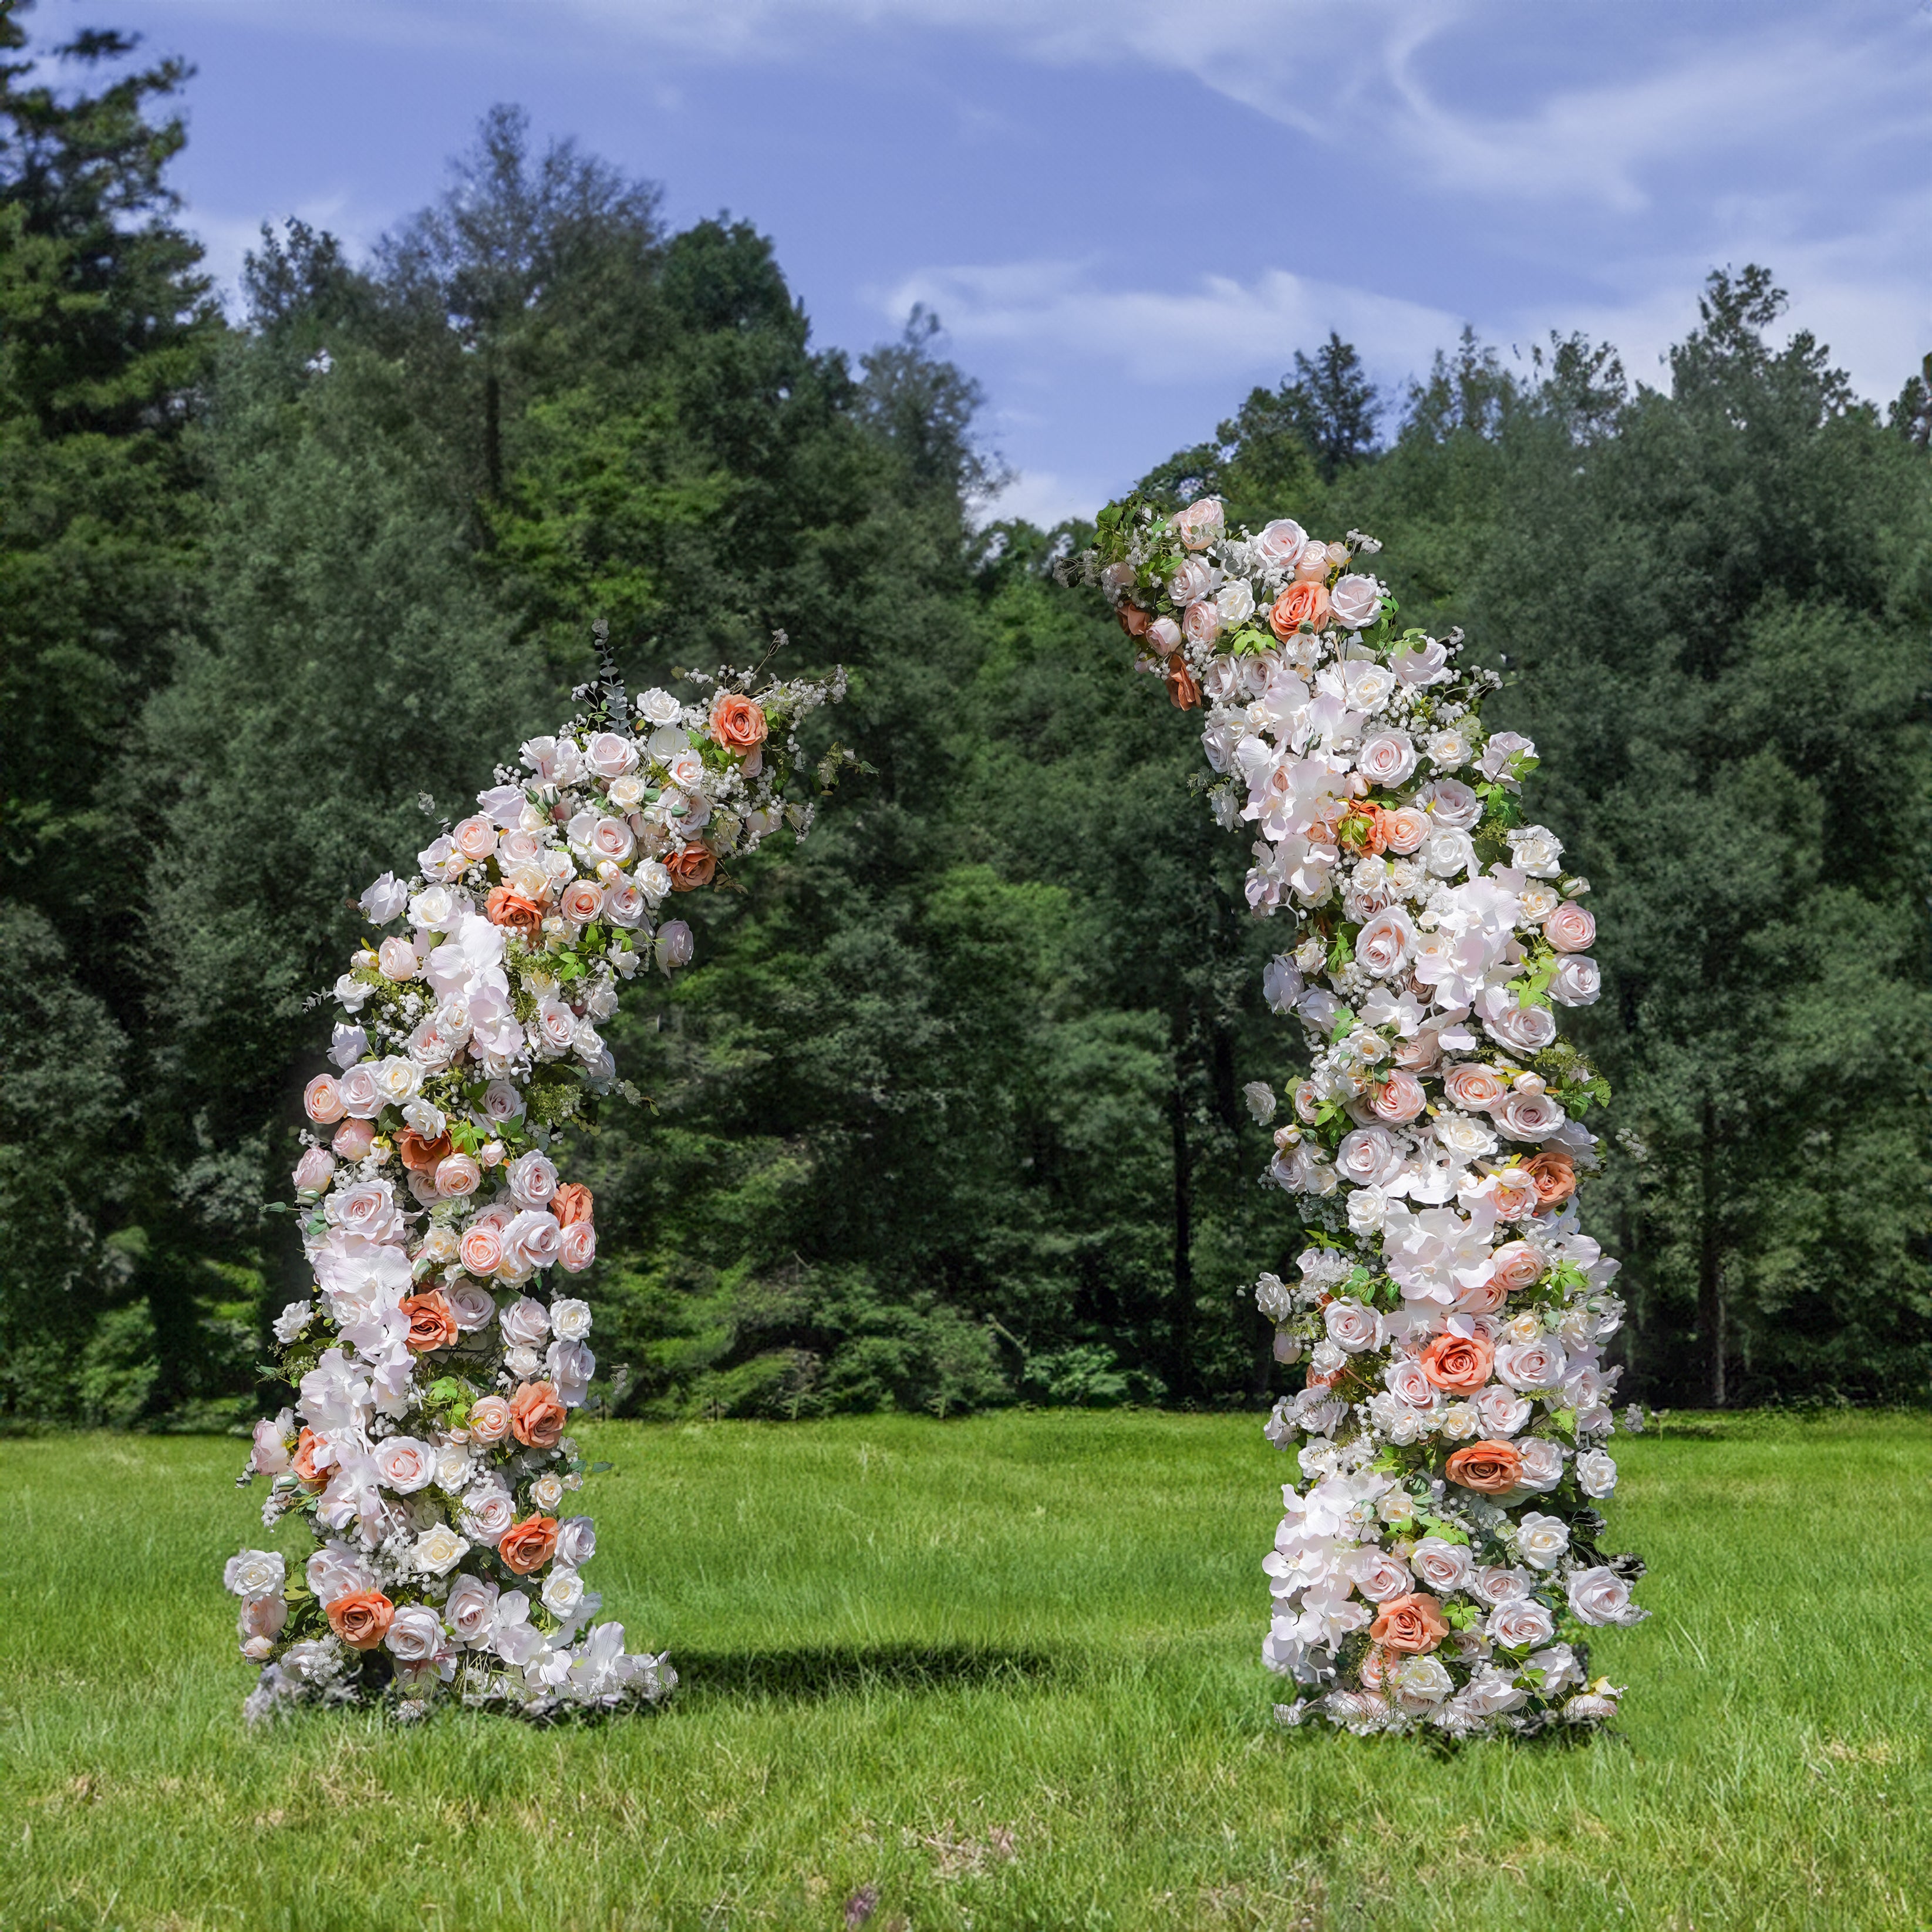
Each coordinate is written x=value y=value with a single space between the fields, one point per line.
x=1542 y=1540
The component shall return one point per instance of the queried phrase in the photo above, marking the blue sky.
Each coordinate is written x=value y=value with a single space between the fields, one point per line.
x=1127 y=213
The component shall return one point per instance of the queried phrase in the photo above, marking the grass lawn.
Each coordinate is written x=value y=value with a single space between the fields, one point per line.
x=998 y=1673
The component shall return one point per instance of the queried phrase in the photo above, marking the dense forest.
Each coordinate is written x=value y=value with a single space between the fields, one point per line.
x=948 y=1115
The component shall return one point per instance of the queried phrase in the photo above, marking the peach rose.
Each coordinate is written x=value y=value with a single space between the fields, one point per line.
x=1570 y=929
x=1515 y=1193
x=421 y=1156
x=1134 y=620
x=354 y=1139
x=432 y=1321
x=572 y=1203
x=1363 y=829
x=322 y=1100
x=1182 y=685
x=482 y=1248
x=1458 y=1362
x=1410 y=1624
x=536 y=1417
x=505 y=907
x=489 y=1420
x=1299 y=603
x=1474 y=1089
x=1406 y=828
x=1555 y=1177
x=457 y=1175
x=1517 y=1265
x=1480 y=1297
x=1398 y=1099
x=582 y=901
x=475 y=837
x=529 y=1545
x=303 y=1464
x=690 y=866
x=737 y=723
x=362 y=1619
x=1490 y=1469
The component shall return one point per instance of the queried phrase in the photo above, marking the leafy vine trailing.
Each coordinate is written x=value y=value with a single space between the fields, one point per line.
x=1437 y=1564
x=434 y=1371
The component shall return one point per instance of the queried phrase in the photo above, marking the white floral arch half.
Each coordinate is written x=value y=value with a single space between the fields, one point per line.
x=1437 y=1565
x=439 y=1355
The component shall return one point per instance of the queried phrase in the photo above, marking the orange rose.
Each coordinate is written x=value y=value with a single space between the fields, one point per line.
x=362 y=1619
x=1299 y=603
x=303 y=1464
x=1458 y=1362
x=1556 y=1179
x=1362 y=830
x=505 y=907
x=572 y=1203
x=1410 y=1624
x=1490 y=1469
x=536 y=1417
x=690 y=866
x=432 y=1323
x=421 y=1156
x=1181 y=686
x=1134 y=620
x=529 y=1545
x=737 y=723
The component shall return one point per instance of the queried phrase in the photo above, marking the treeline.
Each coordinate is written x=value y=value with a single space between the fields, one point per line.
x=948 y=1114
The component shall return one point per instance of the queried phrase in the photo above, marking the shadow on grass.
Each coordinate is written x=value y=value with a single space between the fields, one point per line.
x=843 y=1670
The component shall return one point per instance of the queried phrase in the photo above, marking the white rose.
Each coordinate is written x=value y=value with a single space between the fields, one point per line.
x=1496 y=1583
x=563 y=1590
x=1423 y=664
x=1557 y=1667
x=488 y=1510
x=1467 y=1139
x=1448 y=750
x=1355 y=600
x=1542 y=1540
x=453 y=1469
x=1261 y=1103
x=1578 y=981
x=292 y=1320
x=570 y=1321
x=1536 y=849
x=525 y=1322
x=1531 y=1365
x=1448 y=852
x=547 y=1491
x=1519 y=1623
x=659 y=707
x=471 y=1611
x=1601 y=1596
x=1596 y=1473
x=1282 y=982
x=437 y=1550
x=415 y=1633
x=1370 y=1156
x=1444 y=1566
x=1386 y=759
x=576 y=1541
x=1500 y=751
x=1420 y=1683
x=404 y=1465
x=1352 y=1326
x=1451 y=804
x=385 y=900
x=1542 y=1464
x=1235 y=602
x=253 y=1574
x=398 y=1080
x=522 y=1362
x=1368 y=1208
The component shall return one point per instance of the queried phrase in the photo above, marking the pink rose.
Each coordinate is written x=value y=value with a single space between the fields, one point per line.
x=1355 y=600
x=1164 y=635
x=611 y=840
x=610 y=755
x=322 y=1100
x=1280 y=543
x=314 y=1171
x=1517 y=1266
x=1570 y=929
x=580 y=1247
x=397 y=959
x=482 y=1249
x=489 y=1420
x=583 y=900
x=1577 y=981
x=354 y=1139
x=475 y=837
x=1189 y=582
x=1200 y=523
x=1202 y=621
x=272 y=1454
x=456 y=1175
x=1398 y=1099
x=1385 y=943
x=1386 y=759
x=1474 y=1089
x=1530 y=1116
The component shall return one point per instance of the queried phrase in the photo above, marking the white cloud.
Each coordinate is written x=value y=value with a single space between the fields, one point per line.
x=1213 y=329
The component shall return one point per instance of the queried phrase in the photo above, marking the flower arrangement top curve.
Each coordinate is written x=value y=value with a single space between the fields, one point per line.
x=1438 y=1562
